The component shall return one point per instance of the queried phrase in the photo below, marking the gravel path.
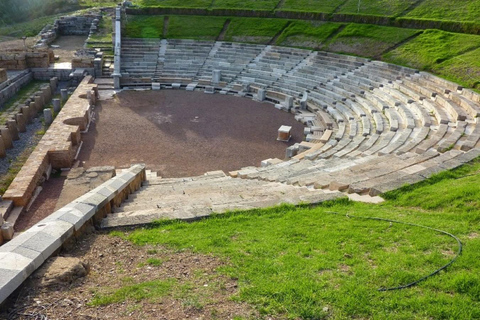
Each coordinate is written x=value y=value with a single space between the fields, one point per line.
x=179 y=133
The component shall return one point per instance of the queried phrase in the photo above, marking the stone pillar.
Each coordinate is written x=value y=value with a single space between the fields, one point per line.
x=289 y=102
x=26 y=113
x=39 y=99
x=48 y=116
x=303 y=102
x=64 y=95
x=216 y=76
x=56 y=105
x=12 y=126
x=53 y=84
x=6 y=137
x=261 y=94
x=97 y=64
x=3 y=153
x=47 y=94
x=34 y=108
x=38 y=104
x=21 y=122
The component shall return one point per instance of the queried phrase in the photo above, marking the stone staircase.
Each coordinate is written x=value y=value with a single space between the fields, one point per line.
x=196 y=197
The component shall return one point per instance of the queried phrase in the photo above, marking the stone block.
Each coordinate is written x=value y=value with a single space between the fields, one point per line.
x=56 y=105
x=64 y=95
x=261 y=94
x=216 y=76
x=3 y=75
x=12 y=127
x=6 y=137
x=7 y=231
x=48 y=116
x=2 y=149
x=155 y=86
x=21 y=122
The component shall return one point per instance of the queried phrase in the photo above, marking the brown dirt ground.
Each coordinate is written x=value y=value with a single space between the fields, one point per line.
x=178 y=133
x=68 y=46
x=43 y=206
x=199 y=292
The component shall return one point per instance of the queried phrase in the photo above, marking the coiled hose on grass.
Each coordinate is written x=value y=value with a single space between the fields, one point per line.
x=411 y=284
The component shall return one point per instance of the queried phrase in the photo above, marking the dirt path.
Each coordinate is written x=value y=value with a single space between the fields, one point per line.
x=179 y=133
x=67 y=47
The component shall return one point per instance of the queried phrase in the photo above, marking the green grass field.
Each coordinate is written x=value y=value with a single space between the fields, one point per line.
x=256 y=30
x=244 y=4
x=375 y=7
x=465 y=10
x=330 y=261
x=195 y=27
x=431 y=48
x=367 y=40
x=464 y=69
x=307 y=34
x=326 y=6
x=144 y=27
x=173 y=3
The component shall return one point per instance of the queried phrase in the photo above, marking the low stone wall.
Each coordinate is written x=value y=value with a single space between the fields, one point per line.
x=9 y=88
x=24 y=254
x=58 y=146
x=48 y=73
x=3 y=75
x=21 y=60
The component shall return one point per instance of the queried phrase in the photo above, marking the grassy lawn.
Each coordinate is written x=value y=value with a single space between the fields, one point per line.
x=29 y=29
x=367 y=40
x=245 y=4
x=98 y=3
x=307 y=34
x=465 y=10
x=375 y=7
x=144 y=27
x=431 y=48
x=256 y=30
x=104 y=33
x=173 y=3
x=195 y=27
x=326 y=6
x=330 y=261
x=464 y=69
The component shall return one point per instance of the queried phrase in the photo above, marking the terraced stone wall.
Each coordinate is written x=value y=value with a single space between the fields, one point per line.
x=21 y=60
x=10 y=87
x=58 y=146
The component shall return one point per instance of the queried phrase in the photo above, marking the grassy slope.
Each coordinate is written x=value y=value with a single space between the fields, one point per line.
x=307 y=34
x=431 y=48
x=173 y=3
x=256 y=30
x=375 y=7
x=367 y=40
x=30 y=28
x=464 y=69
x=195 y=27
x=326 y=6
x=298 y=261
x=465 y=10
x=144 y=27
x=245 y=4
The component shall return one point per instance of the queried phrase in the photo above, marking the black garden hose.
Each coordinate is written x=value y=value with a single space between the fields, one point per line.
x=411 y=284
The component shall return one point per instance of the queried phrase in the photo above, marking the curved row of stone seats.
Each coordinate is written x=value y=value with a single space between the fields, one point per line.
x=196 y=197
x=139 y=57
x=379 y=106
x=183 y=58
x=229 y=57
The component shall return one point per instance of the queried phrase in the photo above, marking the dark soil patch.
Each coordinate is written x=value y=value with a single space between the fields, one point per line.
x=180 y=133
x=199 y=290
x=68 y=45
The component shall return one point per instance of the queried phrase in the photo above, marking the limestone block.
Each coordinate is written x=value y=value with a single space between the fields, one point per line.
x=53 y=84
x=2 y=149
x=26 y=114
x=12 y=126
x=216 y=76
x=3 y=75
x=7 y=231
x=64 y=95
x=56 y=105
x=155 y=86
x=48 y=116
x=6 y=137
x=261 y=94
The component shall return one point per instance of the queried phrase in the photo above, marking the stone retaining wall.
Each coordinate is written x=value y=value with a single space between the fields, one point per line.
x=58 y=146
x=21 y=60
x=48 y=73
x=3 y=75
x=20 y=257
x=9 y=88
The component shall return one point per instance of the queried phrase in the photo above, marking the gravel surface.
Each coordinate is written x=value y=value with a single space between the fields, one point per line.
x=179 y=133
x=27 y=139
